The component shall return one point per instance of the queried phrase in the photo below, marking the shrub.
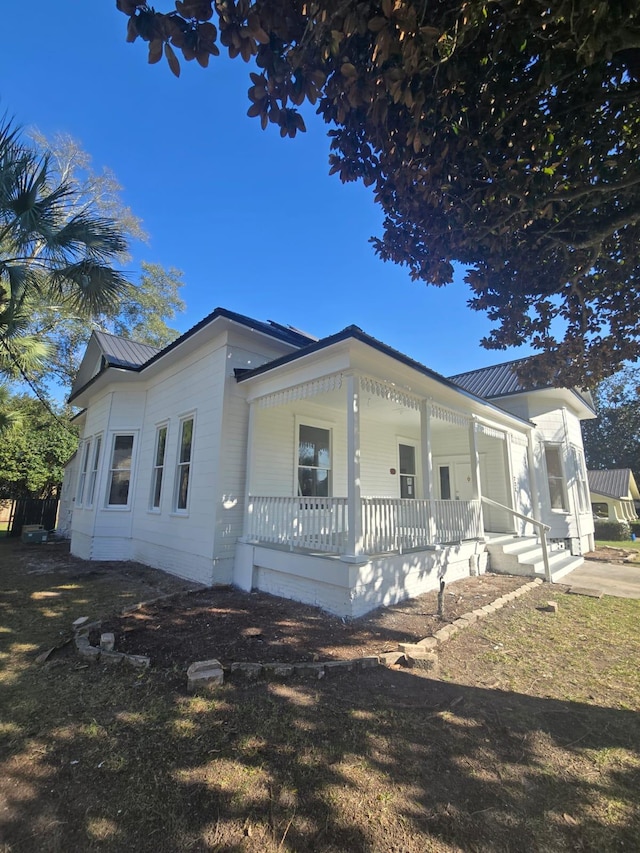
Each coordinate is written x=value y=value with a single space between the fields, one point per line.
x=612 y=531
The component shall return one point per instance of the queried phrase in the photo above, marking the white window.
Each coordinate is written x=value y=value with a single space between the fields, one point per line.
x=93 y=474
x=407 y=467
x=120 y=471
x=314 y=461
x=185 y=445
x=86 y=449
x=158 y=467
x=581 y=479
x=555 y=477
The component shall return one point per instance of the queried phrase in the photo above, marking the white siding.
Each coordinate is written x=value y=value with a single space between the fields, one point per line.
x=182 y=542
x=561 y=427
x=348 y=590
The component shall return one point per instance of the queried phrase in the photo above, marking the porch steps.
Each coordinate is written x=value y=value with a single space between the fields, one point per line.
x=522 y=555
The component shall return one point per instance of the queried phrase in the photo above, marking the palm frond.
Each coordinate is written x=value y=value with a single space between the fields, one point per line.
x=88 y=287
x=52 y=247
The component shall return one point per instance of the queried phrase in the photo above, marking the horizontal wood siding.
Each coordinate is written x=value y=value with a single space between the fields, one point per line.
x=379 y=455
x=275 y=447
x=522 y=485
x=550 y=427
x=493 y=481
x=182 y=542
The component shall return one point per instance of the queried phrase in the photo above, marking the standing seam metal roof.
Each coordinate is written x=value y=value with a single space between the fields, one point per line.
x=498 y=380
x=121 y=352
x=614 y=482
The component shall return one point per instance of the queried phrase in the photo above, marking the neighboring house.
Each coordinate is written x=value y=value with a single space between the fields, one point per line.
x=613 y=494
x=337 y=472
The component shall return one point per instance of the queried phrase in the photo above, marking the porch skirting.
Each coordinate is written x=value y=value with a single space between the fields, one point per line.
x=350 y=590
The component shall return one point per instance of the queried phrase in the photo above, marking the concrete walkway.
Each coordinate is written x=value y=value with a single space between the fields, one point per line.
x=622 y=581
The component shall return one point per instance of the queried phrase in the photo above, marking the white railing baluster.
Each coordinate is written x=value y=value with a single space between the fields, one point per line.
x=388 y=524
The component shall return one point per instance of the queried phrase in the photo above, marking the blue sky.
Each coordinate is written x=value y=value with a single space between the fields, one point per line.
x=254 y=221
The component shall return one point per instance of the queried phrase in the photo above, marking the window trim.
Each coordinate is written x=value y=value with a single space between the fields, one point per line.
x=582 y=483
x=414 y=445
x=84 y=467
x=176 y=510
x=121 y=507
x=155 y=468
x=94 y=469
x=562 y=479
x=313 y=423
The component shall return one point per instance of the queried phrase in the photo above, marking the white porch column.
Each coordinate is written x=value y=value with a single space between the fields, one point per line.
x=533 y=477
x=354 y=508
x=508 y=467
x=427 y=464
x=474 y=454
x=248 y=479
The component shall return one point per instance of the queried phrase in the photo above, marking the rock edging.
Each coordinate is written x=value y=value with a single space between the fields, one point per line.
x=105 y=652
x=209 y=674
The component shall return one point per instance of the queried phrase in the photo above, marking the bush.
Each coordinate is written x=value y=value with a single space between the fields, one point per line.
x=612 y=531
x=635 y=527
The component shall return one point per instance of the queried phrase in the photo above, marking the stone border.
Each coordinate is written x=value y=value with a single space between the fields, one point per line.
x=204 y=675
x=82 y=628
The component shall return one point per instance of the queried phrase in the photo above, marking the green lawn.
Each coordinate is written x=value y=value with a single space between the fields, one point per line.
x=628 y=544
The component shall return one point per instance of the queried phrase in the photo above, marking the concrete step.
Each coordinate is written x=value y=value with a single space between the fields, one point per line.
x=524 y=557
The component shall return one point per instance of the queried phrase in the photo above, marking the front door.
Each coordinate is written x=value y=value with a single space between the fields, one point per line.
x=454 y=481
x=407 y=459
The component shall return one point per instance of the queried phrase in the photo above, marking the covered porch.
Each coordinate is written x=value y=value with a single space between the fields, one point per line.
x=352 y=466
x=366 y=478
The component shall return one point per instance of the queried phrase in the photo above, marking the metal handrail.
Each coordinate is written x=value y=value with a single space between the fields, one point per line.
x=543 y=533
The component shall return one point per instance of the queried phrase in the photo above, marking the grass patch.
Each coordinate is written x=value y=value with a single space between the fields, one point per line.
x=627 y=544
x=529 y=742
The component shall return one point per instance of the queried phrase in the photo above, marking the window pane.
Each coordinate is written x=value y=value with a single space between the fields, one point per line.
x=556 y=493
x=119 y=491
x=313 y=482
x=122 y=451
x=157 y=487
x=183 y=486
x=162 y=443
x=314 y=447
x=407 y=459
x=185 y=441
x=554 y=466
x=445 y=484
x=94 y=471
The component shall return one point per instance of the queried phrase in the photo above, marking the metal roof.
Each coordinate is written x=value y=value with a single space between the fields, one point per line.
x=130 y=355
x=498 y=380
x=121 y=352
x=613 y=482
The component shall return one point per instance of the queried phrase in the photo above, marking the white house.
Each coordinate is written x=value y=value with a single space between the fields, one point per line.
x=337 y=472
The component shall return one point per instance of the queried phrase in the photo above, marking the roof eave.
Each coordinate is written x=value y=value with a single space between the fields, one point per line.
x=355 y=333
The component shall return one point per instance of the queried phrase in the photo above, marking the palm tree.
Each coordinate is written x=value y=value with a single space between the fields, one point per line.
x=52 y=250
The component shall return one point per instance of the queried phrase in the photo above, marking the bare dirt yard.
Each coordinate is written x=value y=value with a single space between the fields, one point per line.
x=230 y=625
x=528 y=740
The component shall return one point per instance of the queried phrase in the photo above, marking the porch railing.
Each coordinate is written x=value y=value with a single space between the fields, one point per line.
x=388 y=524
x=313 y=523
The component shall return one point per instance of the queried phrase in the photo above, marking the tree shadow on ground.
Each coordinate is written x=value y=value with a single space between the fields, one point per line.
x=94 y=758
